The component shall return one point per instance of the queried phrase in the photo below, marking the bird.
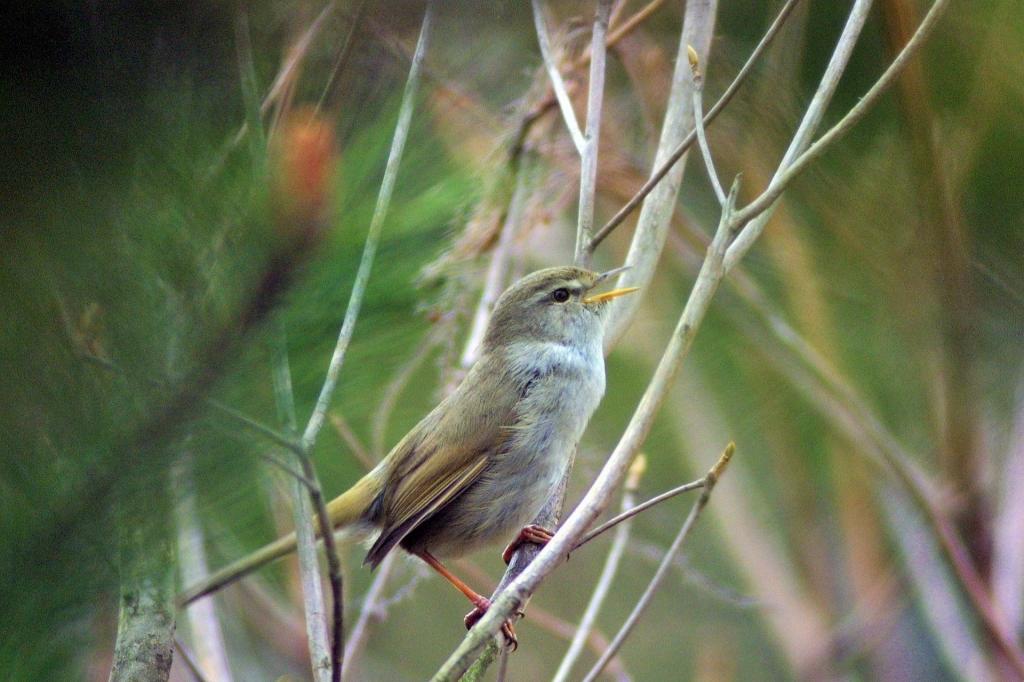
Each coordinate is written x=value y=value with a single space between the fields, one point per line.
x=480 y=466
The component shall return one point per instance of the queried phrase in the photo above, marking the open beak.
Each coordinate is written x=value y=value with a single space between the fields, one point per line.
x=609 y=295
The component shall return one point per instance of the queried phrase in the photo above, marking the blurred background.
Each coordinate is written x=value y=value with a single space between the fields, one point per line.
x=149 y=267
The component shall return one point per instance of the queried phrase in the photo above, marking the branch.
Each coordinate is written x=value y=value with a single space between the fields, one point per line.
x=588 y=154
x=666 y=563
x=243 y=419
x=633 y=511
x=664 y=167
x=698 y=117
x=494 y=282
x=656 y=214
x=808 y=125
x=764 y=203
x=145 y=624
x=306 y=500
x=604 y=582
x=387 y=187
x=371 y=609
x=557 y=84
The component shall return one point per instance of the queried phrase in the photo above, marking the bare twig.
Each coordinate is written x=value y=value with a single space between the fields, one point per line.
x=758 y=211
x=805 y=131
x=494 y=283
x=243 y=419
x=633 y=511
x=698 y=117
x=557 y=84
x=370 y=610
x=307 y=499
x=591 y=143
x=344 y=53
x=394 y=389
x=709 y=483
x=190 y=662
x=663 y=167
x=656 y=214
x=604 y=582
x=344 y=429
x=387 y=186
x=630 y=24
x=274 y=436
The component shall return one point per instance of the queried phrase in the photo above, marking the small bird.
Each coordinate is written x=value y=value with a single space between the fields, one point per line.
x=485 y=460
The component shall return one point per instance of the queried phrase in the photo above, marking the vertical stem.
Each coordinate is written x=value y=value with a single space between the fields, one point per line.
x=387 y=186
x=206 y=635
x=302 y=511
x=658 y=206
x=808 y=124
x=592 y=139
x=145 y=627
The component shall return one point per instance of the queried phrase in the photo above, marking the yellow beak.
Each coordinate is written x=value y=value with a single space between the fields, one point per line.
x=609 y=295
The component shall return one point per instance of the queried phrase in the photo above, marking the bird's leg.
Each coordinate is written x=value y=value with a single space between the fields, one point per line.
x=480 y=603
x=532 y=533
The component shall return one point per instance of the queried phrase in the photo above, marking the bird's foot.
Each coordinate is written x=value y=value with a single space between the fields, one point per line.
x=480 y=607
x=534 y=534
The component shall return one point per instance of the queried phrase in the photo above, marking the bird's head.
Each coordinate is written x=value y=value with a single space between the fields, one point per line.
x=552 y=305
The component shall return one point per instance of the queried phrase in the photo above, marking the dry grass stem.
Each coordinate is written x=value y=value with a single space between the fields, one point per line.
x=557 y=84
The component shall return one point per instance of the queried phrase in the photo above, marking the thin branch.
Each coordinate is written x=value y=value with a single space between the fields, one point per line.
x=633 y=511
x=202 y=617
x=604 y=582
x=709 y=483
x=387 y=187
x=344 y=53
x=274 y=436
x=698 y=117
x=588 y=154
x=243 y=419
x=306 y=500
x=395 y=388
x=680 y=150
x=344 y=430
x=755 y=211
x=844 y=407
x=630 y=24
x=557 y=84
x=190 y=662
x=652 y=225
x=808 y=126
x=370 y=610
x=494 y=282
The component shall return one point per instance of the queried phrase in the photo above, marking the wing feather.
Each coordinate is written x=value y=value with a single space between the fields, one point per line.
x=445 y=453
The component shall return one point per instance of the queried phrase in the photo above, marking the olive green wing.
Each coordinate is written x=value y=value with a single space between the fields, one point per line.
x=443 y=455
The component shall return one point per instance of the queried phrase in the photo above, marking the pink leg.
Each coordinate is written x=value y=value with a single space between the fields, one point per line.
x=533 y=534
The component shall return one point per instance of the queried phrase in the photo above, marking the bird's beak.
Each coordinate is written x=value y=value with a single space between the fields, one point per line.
x=614 y=293
x=609 y=295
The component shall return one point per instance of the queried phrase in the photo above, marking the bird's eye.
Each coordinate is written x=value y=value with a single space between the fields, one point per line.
x=560 y=295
